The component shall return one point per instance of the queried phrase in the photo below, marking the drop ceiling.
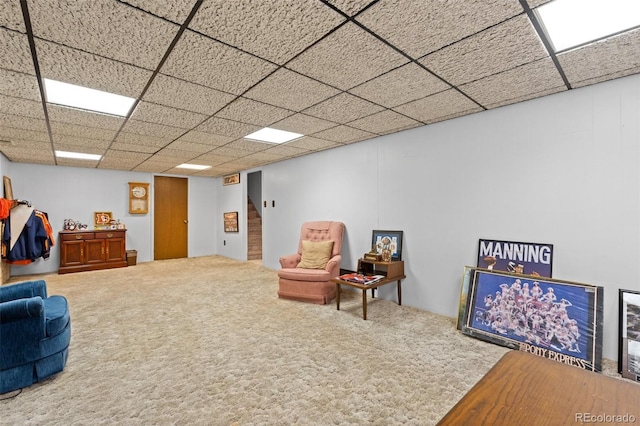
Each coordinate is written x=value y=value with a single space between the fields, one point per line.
x=207 y=73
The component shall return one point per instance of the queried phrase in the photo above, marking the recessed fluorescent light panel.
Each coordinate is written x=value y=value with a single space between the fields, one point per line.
x=78 y=155
x=273 y=135
x=193 y=166
x=571 y=23
x=70 y=95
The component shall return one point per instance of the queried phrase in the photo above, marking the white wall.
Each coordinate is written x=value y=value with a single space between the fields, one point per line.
x=563 y=169
x=75 y=193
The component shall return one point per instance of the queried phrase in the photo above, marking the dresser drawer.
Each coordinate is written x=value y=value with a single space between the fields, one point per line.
x=74 y=236
x=109 y=234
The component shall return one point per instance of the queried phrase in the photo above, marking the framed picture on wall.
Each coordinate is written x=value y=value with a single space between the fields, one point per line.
x=629 y=336
x=387 y=243
x=559 y=320
x=231 y=222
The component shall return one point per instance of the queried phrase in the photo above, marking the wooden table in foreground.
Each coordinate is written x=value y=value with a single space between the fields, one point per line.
x=525 y=389
x=393 y=270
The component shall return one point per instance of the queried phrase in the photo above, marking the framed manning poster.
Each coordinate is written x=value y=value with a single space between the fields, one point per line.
x=629 y=341
x=555 y=319
x=522 y=258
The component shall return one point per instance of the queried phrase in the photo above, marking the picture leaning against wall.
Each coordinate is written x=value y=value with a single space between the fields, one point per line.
x=629 y=341
x=522 y=258
x=554 y=319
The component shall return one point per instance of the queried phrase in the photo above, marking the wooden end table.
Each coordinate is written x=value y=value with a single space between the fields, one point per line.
x=393 y=270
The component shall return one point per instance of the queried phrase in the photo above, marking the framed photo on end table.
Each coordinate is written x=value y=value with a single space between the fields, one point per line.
x=387 y=242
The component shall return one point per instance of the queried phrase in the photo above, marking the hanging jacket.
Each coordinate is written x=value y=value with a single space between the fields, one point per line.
x=35 y=240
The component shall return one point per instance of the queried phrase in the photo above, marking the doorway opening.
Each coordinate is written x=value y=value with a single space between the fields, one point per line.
x=254 y=216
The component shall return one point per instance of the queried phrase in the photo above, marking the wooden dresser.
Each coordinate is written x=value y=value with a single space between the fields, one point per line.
x=92 y=250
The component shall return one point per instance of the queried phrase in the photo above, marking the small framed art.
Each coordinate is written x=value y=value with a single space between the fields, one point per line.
x=138 y=198
x=231 y=179
x=102 y=219
x=231 y=222
x=388 y=244
x=629 y=339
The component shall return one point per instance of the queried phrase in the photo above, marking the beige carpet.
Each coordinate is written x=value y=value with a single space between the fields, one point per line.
x=207 y=341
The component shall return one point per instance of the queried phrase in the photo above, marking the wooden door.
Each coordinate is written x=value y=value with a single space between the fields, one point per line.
x=170 y=217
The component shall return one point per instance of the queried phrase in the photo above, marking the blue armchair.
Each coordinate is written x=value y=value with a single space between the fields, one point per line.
x=35 y=331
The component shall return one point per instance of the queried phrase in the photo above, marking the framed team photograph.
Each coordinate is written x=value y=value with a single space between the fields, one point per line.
x=629 y=341
x=555 y=319
x=521 y=258
x=388 y=244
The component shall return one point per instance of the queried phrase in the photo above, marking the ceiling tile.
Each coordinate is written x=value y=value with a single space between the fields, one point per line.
x=119 y=163
x=166 y=133
x=385 y=122
x=290 y=28
x=223 y=127
x=313 y=144
x=417 y=27
x=344 y=134
x=594 y=62
x=160 y=114
x=525 y=82
x=15 y=52
x=343 y=108
x=107 y=28
x=19 y=106
x=85 y=69
x=262 y=157
x=72 y=162
x=23 y=136
x=58 y=128
x=303 y=124
x=136 y=142
x=253 y=112
x=212 y=159
x=350 y=7
x=11 y=16
x=286 y=150
x=34 y=153
x=22 y=122
x=208 y=139
x=18 y=84
x=226 y=151
x=536 y=3
x=60 y=140
x=176 y=10
x=153 y=167
x=402 y=85
x=84 y=146
x=283 y=89
x=178 y=155
x=500 y=48
x=248 y=145
x=84 y=118
x=439 y=107
x=170 y=91
x=204 y=61
x=346 y=58
x=193 y=147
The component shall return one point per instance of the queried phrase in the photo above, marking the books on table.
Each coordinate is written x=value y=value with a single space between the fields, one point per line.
x=361 y=278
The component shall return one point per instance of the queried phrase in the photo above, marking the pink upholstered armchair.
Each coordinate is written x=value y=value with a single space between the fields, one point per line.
x=297 y=280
